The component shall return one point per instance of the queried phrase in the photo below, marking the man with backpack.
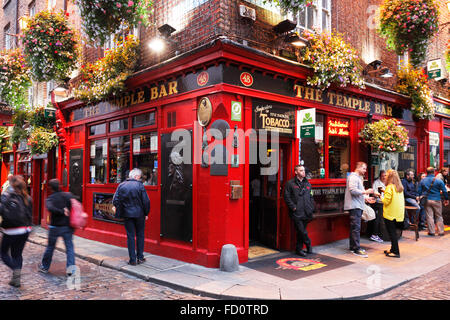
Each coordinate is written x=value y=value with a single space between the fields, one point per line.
x=59 y=206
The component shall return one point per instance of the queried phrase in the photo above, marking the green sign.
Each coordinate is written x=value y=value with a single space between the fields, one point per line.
x=236 y=111
x=49 y=113
x=307 y=131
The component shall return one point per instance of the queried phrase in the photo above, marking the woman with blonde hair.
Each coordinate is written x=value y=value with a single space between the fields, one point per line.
x=393 y=210
x=15 y=209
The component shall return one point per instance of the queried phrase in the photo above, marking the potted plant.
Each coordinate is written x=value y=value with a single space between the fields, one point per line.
x=385 y=135
x=50 y=46
x=414 y=83
x=407 y=25
x=19 y=132
x=102 y=18
x=333 y=60
x=290 y=5
x=106 y=77
x=14 y=78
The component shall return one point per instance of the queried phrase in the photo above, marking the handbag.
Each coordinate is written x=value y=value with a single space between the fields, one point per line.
x=424 y=199
x=368 y=213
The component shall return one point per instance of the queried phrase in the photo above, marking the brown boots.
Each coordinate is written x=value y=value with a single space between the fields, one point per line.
x=15 y=280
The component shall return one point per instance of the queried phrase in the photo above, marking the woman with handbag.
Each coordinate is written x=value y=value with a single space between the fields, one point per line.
x=15 y=209
x=393 y=210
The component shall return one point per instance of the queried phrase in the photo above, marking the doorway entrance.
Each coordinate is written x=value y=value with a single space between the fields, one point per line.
x=267 y=210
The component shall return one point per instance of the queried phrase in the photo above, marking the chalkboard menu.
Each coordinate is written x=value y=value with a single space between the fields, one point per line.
x=329 y=199
x=103 y=208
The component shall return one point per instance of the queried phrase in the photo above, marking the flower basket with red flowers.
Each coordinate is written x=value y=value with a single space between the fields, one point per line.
x=385 y=135
x=50 y=46
x=407 y=25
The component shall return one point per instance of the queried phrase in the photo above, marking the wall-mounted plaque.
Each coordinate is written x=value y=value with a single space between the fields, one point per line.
x=204 y=111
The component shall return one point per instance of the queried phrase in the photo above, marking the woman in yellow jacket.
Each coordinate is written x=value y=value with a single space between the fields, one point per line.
x=393 y=210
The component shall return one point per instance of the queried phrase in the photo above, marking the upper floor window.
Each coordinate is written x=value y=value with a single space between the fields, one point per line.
x=7 y=37
x=51 y=4
x=315 y=16
x=32 y=9
x=111 y=43
x=403 y=60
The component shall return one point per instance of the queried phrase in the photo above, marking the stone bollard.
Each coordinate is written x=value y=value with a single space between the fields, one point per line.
x=229 y=261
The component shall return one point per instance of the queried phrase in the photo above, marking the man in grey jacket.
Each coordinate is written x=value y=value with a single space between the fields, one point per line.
x=354 y=202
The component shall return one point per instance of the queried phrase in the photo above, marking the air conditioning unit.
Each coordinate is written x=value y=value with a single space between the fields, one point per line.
x=247 y=12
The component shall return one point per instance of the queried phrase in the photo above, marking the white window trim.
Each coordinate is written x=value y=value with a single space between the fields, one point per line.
x=110 y=44
x=319 y=10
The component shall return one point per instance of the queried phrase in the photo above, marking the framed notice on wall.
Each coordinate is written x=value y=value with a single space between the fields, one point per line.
x=103 y=208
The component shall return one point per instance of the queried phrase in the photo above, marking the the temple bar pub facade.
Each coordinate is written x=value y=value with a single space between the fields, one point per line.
x=199 y=206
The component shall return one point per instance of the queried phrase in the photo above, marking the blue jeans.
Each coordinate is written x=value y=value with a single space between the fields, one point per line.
x=53 y=234
x=12 y=248
x=355 y=228
x=135 y=233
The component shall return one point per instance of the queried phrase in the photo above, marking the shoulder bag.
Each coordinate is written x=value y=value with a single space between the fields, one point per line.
x=424 y=199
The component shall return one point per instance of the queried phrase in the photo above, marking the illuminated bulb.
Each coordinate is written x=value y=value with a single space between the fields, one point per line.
x=157 y=45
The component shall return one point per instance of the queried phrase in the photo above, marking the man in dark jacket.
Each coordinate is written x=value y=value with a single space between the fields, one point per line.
x=410 y=192
x=58 y=204
x=299 y=199
x=132 y=203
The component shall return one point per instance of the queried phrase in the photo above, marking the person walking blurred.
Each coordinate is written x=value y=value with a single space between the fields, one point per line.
x=431 y=187
x=354 y=202
x=16 y=212
x=59 y=205
x=393 y=210
x=133 y=204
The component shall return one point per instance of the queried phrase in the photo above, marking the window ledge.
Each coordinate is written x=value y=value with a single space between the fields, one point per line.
x=330 y=215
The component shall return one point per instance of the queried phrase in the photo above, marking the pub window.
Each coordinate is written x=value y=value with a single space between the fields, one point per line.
x=119 y=159
x=97 y=129
x=118 y=125
x=312 y=151
x=98 y=161
x=145 y=157
x=446 y=147
x=338 y=148
x=143 y=120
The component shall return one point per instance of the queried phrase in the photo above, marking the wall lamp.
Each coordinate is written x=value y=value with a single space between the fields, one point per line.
x=377 y=70
x=285 y=29
x=158 y=44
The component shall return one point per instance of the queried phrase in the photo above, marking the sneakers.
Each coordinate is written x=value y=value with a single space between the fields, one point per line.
x=376 y=238
x=42 y=269
x=361 y=252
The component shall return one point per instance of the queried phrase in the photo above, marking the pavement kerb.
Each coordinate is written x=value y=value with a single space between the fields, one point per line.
x=81 y=254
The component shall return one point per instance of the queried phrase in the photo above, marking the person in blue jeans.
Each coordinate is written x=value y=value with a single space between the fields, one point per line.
x=58 y=204
x=133 y=205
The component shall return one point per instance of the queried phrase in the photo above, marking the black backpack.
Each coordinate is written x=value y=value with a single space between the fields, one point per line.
x=14 y=211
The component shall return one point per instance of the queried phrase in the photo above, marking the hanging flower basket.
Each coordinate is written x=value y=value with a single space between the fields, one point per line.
x=50 y=46
x=447 y=56
x=14 y=78
x=106 y=77
x=42 y=140
x=333 y=59
x=19 y=132
x=414 y=83
x=385 y=135
x=102 y=18
x=407 y=25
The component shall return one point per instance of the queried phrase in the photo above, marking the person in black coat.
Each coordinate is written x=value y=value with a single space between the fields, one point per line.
x=299 y=199
x=16 y=211
x=133 y=204
x=59 y=205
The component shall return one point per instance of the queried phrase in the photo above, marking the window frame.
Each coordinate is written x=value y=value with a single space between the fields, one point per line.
x=326 y=142
x=130 y=132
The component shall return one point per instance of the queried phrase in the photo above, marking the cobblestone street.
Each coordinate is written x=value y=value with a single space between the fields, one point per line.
x=96 y=283
x=432 y=286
